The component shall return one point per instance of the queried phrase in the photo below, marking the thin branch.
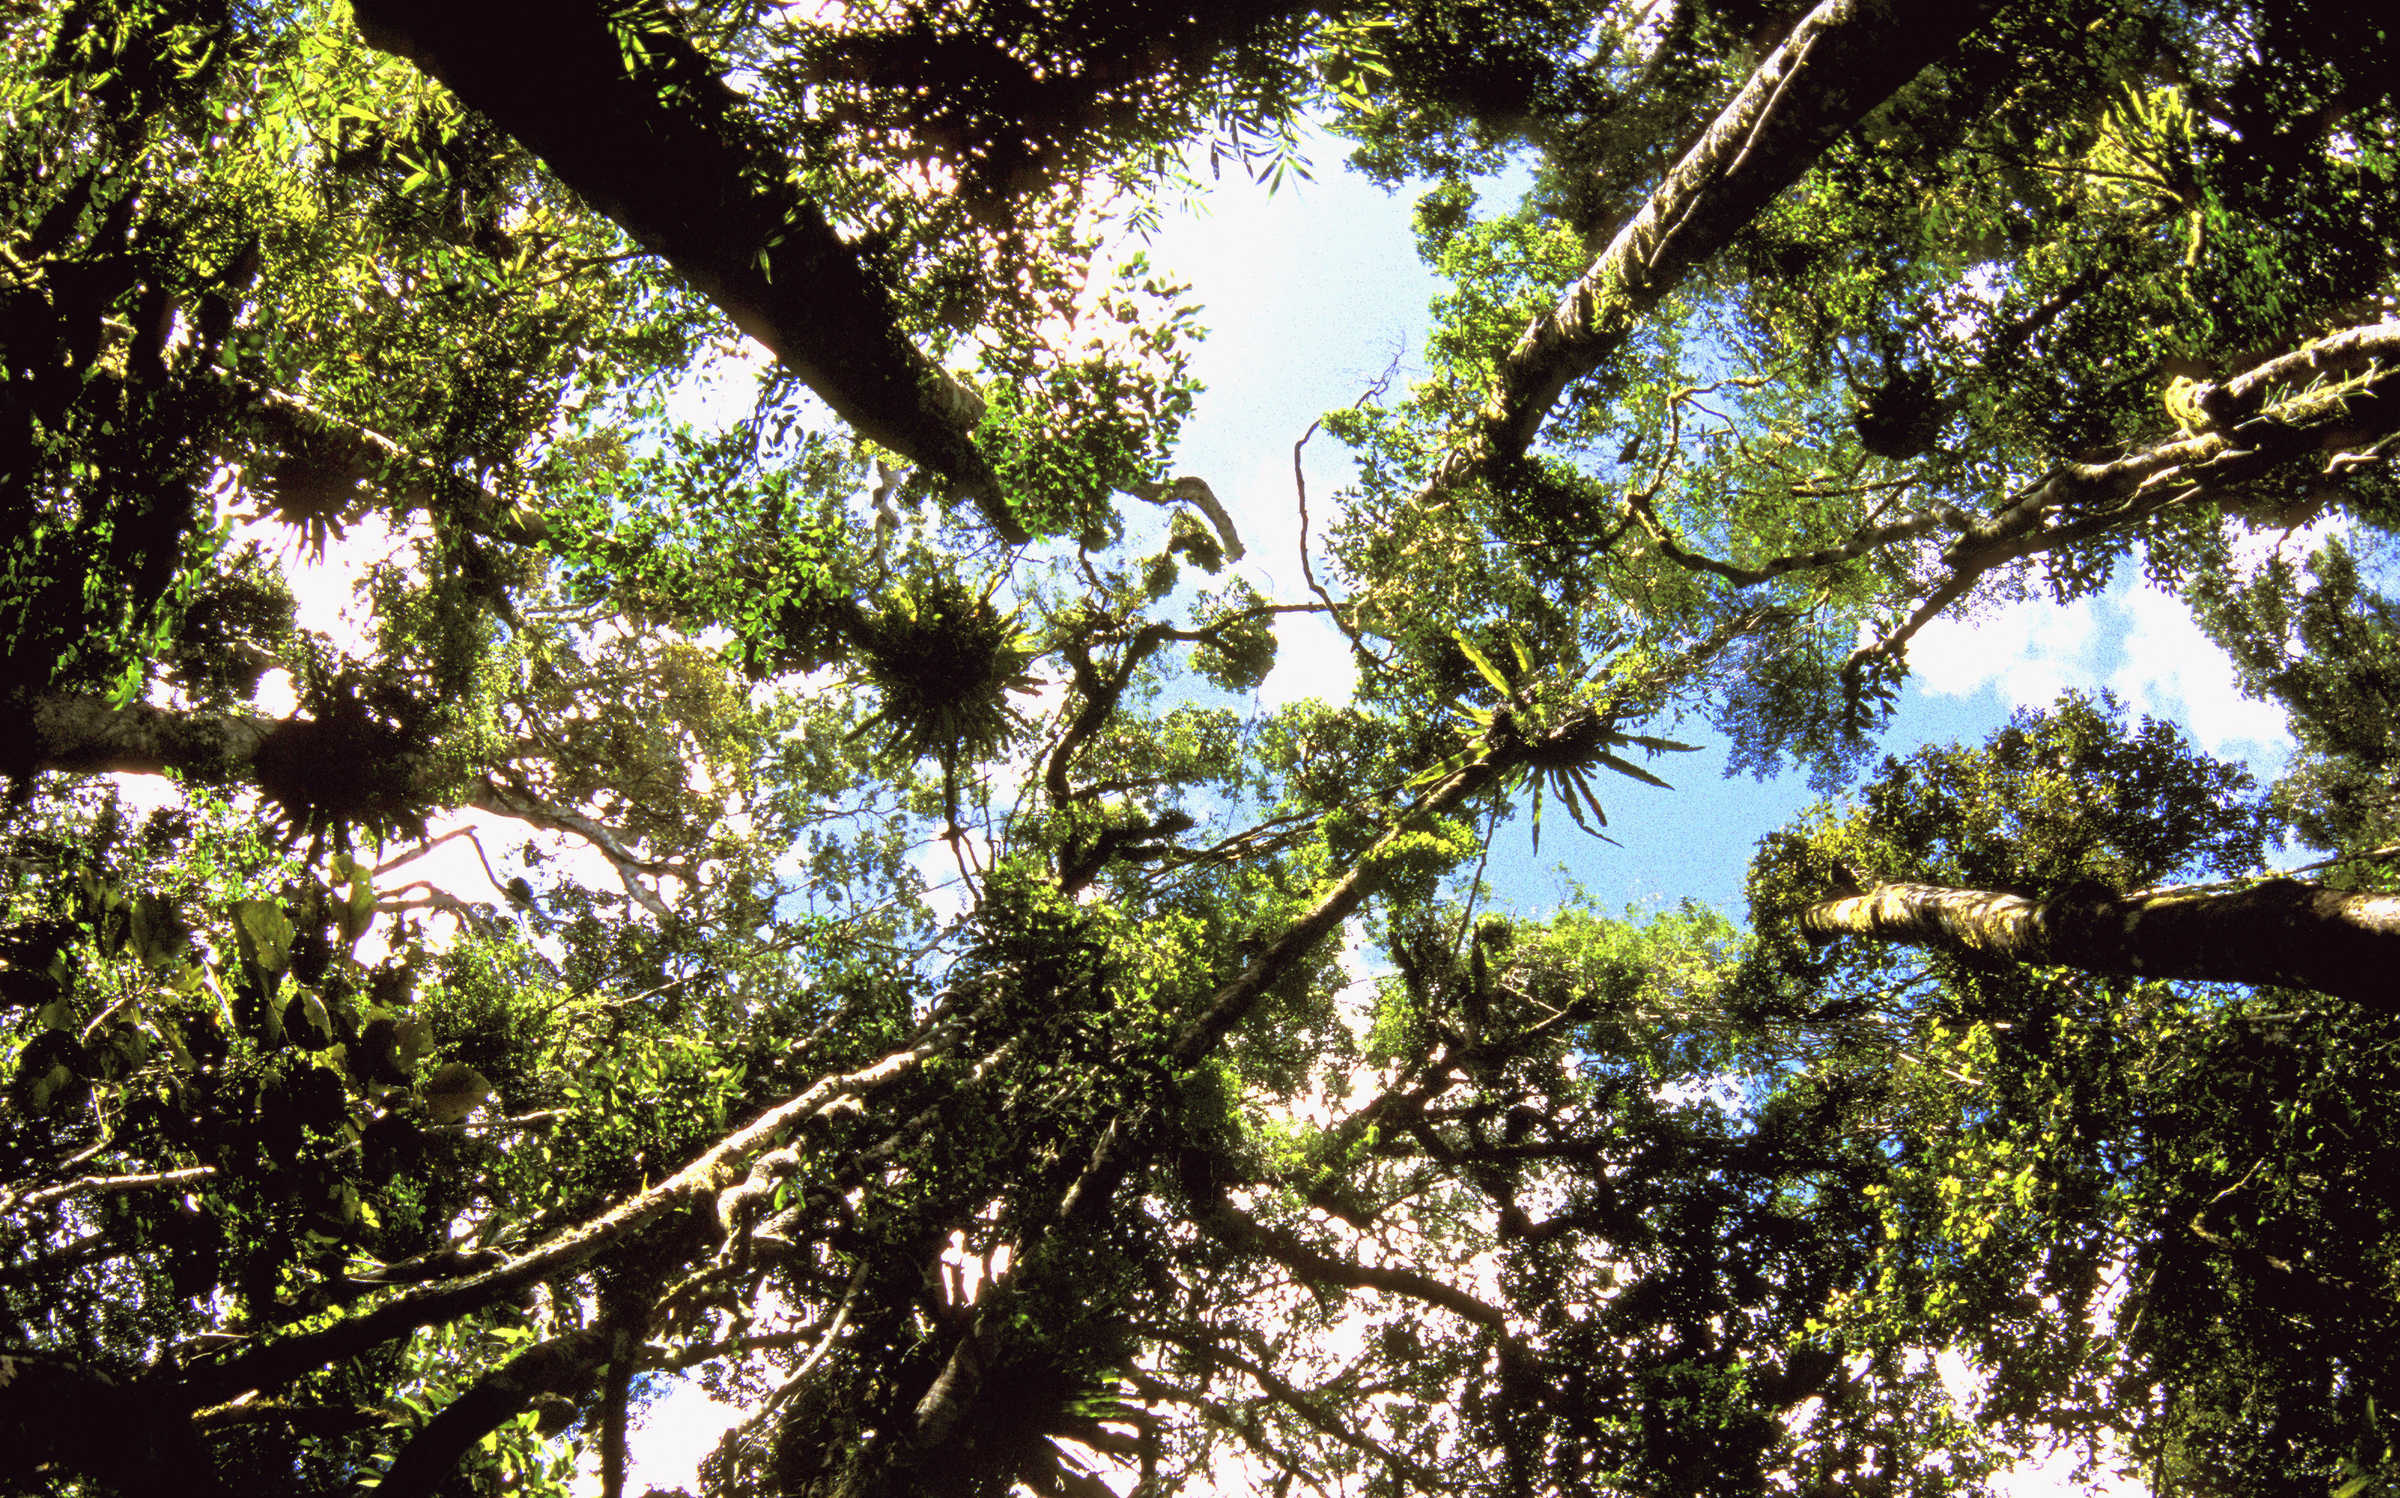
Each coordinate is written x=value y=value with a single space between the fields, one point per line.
x=103 y=1185
x=1220 y=1218
x=520 y=804
x=1308 y=569
x=1414 y=1476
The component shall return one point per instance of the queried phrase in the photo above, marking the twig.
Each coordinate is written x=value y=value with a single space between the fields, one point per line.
x=1374 y=391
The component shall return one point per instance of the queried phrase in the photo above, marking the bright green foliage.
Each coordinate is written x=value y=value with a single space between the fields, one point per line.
x=2129 y=1205
x=728 y=905
x=1067 y=435
x=2326 y=650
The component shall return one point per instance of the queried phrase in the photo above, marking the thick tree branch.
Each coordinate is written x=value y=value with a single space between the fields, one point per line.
x=313 y=1419
x=90 y=736
x=2281 y=931
x=274 y=1362
x=619 y=103
x=562 y=1365
x=2353 y=420
x=2339 y=353
x=1842 y=59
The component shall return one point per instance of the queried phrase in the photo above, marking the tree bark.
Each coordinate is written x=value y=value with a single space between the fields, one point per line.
x=563 y=1365
x=618 y=103
x=1841 y=60
x=82 y=735
x=2245 y=439
x=2280 y=931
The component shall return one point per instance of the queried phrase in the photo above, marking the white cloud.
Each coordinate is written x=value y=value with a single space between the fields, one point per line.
x=1312 y=659
x=2028 y=651
x=2134 y=640
x=2173 y=671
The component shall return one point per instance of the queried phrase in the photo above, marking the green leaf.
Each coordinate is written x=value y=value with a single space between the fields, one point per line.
x=356 y=912
x=265 y=934
x=1628 y=767
x=452 y=1091
x=1482 y=664
x=1657 y=746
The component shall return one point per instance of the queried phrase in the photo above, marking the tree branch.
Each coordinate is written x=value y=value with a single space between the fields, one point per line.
x=127 y=1435
x=1841 y=60
x=628 y=112
x=1413 y=1476
x=90 y=736
x=561 y=1365
x=10 y=1201
x=2281 y=931
x=1216 y=1214
x=518 y=804
x=272 y=1363
x=2079 y=501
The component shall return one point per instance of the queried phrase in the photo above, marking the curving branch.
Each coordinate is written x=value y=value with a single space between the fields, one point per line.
x=2281 y=931
x=1193 y=490
x=512 y=800
x=563 y=1365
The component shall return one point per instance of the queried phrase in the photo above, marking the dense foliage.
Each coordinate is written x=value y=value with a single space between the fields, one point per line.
x=915 y=989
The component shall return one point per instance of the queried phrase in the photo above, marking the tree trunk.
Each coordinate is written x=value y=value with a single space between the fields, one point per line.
x=86 y=735
x=2281 y=931
x=1841 y=60
x=620 y=104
